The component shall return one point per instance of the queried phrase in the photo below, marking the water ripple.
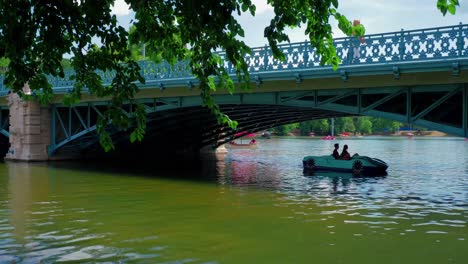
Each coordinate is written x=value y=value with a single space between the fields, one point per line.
x=258 y=201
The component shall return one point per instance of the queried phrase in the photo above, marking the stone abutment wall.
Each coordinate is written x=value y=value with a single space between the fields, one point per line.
x=29 y=130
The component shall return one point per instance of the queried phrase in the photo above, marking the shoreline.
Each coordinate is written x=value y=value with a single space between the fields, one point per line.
x=367 y=137
x=405 y=134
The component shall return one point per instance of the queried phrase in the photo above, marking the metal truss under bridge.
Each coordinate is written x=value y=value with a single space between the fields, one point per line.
x=186 y=124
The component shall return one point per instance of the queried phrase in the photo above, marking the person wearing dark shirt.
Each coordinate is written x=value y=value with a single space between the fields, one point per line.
x=335 y=154
x=345 y=154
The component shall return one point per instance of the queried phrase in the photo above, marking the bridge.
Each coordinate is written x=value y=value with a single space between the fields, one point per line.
x=414 y=76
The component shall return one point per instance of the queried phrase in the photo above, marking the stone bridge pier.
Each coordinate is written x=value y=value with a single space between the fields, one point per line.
x=29 y=129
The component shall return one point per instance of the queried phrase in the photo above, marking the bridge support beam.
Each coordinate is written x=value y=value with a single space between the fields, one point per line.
x=210 y=153
x=210 y=150
x=465 y=110
x=29 y=129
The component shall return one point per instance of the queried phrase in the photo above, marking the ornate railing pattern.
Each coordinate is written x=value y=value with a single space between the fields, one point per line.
x=394 y=47
x=441 y=43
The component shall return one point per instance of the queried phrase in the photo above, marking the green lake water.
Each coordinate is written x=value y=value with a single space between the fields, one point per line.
x=251 y=206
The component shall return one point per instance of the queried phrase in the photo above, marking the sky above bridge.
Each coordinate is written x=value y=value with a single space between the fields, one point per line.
x=378 y=16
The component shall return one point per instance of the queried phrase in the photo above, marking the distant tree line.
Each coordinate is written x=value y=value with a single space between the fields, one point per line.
x=361 y=125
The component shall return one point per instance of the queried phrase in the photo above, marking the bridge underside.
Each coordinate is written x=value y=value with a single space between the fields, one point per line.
x=178 y=124
x=187 y=130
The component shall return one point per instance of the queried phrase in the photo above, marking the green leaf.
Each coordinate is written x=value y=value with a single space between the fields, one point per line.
x=133 y=137
x=211 y=84
x=253 y=9
x=244 y=7
x=240 y=32
x=452 y=9
x=442 y=6
x=335 y=3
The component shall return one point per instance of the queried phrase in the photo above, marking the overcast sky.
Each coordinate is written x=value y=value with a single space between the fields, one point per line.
x=378 y=16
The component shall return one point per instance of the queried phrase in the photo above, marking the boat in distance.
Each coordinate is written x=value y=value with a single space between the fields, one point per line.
x=357 y=165
x=234 y=145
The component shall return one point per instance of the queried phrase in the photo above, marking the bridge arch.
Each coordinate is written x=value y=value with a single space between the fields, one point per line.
x=441 y=107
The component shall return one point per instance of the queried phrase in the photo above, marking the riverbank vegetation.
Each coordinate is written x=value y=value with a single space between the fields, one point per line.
x=363 y=125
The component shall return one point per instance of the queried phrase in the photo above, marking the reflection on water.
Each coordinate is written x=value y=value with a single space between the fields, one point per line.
x=247 y=207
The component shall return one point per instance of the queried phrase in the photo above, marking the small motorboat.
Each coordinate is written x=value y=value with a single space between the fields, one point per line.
x=234 y=145
x=357 y=165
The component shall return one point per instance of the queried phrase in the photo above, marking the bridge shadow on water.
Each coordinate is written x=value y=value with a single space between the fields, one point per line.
x=159 y=157
x=188 y=167
x=241 y=169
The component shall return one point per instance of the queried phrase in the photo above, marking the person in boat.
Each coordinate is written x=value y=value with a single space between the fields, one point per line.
x=335 y=153
x=345 y=154
x=253 y=141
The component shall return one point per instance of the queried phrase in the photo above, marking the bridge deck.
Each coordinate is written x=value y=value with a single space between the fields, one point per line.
x=431 y=50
